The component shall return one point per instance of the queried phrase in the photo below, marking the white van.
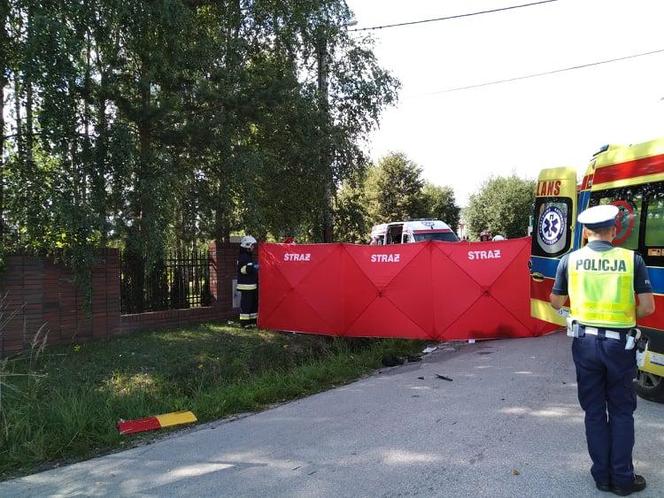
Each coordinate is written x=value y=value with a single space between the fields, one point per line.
x=405 y=232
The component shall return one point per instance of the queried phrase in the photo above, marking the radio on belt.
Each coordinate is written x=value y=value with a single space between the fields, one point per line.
x=632 y=336
x=641 y=351
x=573 y=328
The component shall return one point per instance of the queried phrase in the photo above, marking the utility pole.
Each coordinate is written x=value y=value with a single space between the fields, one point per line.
x=323 y=62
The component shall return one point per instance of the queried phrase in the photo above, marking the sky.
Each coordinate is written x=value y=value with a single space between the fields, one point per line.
x=462 y=138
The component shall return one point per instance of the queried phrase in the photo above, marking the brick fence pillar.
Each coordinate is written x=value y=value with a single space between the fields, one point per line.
x=223 y=261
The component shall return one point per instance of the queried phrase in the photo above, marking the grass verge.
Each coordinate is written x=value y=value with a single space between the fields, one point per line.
x=67 y=408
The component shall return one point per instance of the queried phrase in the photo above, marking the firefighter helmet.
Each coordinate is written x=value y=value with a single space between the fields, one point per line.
x=247 y=242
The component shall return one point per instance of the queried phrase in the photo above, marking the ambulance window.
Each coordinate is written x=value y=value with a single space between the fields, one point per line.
x=394 y=234
x=441 y=236
x=552 y=236
x=630 y=202
x=654 y=238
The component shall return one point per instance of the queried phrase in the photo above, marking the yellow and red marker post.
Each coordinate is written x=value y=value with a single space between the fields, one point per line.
x=154 y=423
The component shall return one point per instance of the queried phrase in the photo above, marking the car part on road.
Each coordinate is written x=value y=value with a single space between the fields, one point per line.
x=154 y=423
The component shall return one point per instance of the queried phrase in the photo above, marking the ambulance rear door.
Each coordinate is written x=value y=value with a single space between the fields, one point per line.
x=554 y=218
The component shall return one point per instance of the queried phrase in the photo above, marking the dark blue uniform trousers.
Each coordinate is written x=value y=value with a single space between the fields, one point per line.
x=604 y=374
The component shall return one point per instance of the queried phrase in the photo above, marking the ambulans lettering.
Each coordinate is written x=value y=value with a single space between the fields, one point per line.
x=385 y=258
x=495 y=254
x=548 y=188
x=290 y=256
x=601 y=265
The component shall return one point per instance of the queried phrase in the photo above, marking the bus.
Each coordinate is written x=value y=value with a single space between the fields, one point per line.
x=631 y=178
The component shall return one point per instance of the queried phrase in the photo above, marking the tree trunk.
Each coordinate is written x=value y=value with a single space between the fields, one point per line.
x=88 y=164
x=29 y=121
x=326 y=167
x=29 y=137
x=3 y=82
x=101 y=151
x=18 y=120
x=4 y=69
x=137 y=246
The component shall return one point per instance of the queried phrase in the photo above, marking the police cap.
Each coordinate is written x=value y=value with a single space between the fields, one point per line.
x=598 y=217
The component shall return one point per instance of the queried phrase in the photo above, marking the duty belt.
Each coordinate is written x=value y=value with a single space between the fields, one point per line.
x=600 y=332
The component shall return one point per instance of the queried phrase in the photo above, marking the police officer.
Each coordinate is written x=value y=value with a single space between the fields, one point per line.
x=247 y=282
x=601 y=281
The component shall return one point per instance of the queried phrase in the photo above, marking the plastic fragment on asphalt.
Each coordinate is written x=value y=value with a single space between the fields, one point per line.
x=176 y=418
x=138 y=425
x=154 y=423
x=429 y=349
x=443 y=377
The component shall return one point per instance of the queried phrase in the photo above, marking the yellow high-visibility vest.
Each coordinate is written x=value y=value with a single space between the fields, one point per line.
x=601 y=287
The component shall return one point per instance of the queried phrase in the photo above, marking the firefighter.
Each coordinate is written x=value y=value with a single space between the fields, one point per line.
x=601 y=281
x=247 y=282
x=485 y=236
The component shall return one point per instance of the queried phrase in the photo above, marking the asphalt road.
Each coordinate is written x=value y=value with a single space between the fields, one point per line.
x=508 y=425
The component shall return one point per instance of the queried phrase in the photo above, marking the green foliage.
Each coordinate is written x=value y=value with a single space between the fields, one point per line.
x=392 y=190
x=352 y=222
x=439 y=203
x=502 y=205
x=68 y=406
x=149 y=125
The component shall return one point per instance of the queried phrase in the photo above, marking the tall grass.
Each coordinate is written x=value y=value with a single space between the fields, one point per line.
x=67 y=409
x=17 y=384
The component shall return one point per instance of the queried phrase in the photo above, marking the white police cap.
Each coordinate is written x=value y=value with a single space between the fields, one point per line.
x=599 y=216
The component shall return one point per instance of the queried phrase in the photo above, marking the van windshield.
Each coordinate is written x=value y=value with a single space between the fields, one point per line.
x=443 y=236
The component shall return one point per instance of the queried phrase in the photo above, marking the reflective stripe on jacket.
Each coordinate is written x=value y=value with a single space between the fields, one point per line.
x=247 y=286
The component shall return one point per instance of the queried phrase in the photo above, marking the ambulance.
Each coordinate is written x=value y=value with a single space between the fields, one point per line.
x=405 y=232
x=631 y=178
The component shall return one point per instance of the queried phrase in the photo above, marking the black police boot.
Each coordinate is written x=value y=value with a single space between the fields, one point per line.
x=603 y=487
x=639 y=484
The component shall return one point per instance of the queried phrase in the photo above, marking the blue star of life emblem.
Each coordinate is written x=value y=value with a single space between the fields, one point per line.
x=551 y=225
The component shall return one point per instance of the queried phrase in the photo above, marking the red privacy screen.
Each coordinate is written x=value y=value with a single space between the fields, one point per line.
x=428 y=290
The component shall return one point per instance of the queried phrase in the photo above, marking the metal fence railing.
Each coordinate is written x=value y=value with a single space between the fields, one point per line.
x=180 y=280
